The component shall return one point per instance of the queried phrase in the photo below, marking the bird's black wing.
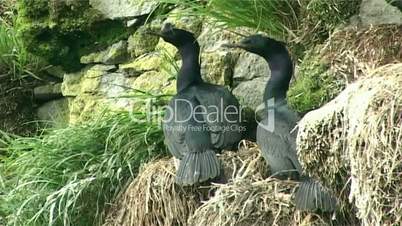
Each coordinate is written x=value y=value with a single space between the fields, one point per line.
x=224 y=128
x=278 y=146
x=175 y=124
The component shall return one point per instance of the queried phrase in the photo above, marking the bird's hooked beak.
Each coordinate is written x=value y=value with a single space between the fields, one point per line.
x=240 y=44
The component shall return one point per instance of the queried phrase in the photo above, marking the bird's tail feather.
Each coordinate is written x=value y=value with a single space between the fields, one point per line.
x=197 y=167
x=312 y=196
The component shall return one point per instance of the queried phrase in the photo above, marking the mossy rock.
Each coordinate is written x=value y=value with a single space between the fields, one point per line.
x=315 y=84
x=144 y=63
x=155 y=82
x=115 y=54
x=63 y=31
x=140 y=43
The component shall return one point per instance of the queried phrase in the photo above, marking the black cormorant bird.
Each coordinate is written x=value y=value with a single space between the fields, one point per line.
x=197 y=104
x=276 y=132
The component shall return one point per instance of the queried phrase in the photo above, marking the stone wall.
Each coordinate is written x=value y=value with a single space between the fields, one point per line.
x=141 y=62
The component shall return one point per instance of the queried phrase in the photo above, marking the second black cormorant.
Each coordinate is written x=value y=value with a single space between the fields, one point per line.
x=201 y=119
x=276 y=132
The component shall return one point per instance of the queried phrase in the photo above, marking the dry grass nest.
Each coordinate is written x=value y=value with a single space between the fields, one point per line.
x=153 y=198
x=354 y=146
x=353 y=50
x=248 y=197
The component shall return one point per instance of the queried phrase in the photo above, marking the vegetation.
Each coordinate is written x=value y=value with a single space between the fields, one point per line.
x=19 y=71
x=67 y=176
x=15 y=60
x=315 y=84
x=276 y=18
x=61 y=33
x=319 y=18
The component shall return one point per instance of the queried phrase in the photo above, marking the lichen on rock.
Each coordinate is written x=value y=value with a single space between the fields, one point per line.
x=115 y=54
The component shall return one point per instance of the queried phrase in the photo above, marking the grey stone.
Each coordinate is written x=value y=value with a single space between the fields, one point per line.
x=379 y=12
x=140 y=43
x=123 y=8
x=56 y=71
x=48 y=92
x=250 y=93
x=217 y=67
x=250 y=66
x=85 y=81
x=114 y=85
x=186 y=22
x=115 y=54
x=55 y=111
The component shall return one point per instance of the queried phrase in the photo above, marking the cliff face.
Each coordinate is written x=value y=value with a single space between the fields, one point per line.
x=101 y=57
x=105 y=38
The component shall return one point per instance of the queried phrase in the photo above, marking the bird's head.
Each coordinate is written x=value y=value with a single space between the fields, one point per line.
x=175 y=36
x=258 y=44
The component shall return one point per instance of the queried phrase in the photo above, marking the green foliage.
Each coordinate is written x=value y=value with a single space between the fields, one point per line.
x=67 y=176
x=276 y=17
x=319 y=18
x=315 y=85
x=15 y=60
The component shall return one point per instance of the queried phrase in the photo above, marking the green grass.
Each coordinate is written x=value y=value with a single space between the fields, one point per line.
x=315 y=84
x=275 y=17
x=15 y=61
x=319 y=18
x=67 y=176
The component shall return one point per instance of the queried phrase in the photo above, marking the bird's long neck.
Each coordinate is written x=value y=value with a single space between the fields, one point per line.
x=190 y=71
x=281 y=67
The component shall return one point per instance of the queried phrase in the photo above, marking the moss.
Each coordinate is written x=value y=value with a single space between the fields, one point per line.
x=62 y=32
x=315 y=85
x=34 y=9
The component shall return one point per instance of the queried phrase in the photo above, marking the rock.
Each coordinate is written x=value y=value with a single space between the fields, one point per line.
x=140 y=43
x=147 y=62
x=56 y=71
x=115 y=85
x=250 y=66
x=123 y=8
x=84 y=81
x=61 y=32
x=217 y=67
x=189 y=23
x=115 y=54
x=48 y=92
x=211 y=38
x=55 y=111
x=379 y=12
x=217 y=63
x=155 y=82
x=186 y=22
x=84 y=107
x=250 y=93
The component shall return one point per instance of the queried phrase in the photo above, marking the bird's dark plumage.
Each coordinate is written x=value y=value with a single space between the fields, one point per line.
x=198 y=104
x=276 y=132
